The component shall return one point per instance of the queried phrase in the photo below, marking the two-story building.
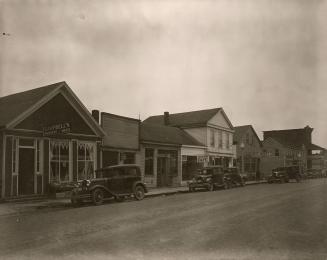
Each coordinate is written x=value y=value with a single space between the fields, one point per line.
x=248 y=151
x=290 y=147
x=211 y=128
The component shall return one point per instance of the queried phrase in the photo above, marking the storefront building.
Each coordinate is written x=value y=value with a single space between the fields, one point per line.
x=165 y=151
x=210 y=128
x=47 y=137
x=121 y=144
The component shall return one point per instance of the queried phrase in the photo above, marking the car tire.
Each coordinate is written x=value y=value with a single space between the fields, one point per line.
x=211 y=187
x=139 y=192
x=191 y=189
x=97 y=197
x=226 y=185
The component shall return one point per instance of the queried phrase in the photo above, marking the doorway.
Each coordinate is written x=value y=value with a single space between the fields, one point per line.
x=26 y=171
x=162 y=171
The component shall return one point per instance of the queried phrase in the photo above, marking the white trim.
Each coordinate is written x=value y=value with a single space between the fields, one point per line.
x=85 y=110
x=95 y=127
x=194 y=146
x=160 y=144
x=4 y=165
x=33 y=108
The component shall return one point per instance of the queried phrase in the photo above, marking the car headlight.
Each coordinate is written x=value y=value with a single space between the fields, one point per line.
x=208 y=179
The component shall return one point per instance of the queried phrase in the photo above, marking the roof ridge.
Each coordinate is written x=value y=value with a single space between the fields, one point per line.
x=59 y=84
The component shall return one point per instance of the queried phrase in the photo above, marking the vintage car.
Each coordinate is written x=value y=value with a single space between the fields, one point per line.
x=285 y=174
x=117 y=182
x=235 y=177
x=209 y=178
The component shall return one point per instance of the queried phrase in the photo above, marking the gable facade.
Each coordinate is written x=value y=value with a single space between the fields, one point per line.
x=53 y=142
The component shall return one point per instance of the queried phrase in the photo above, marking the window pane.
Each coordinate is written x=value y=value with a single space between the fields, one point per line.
x=26 y=142
x=81 y=151
x=81 y=170
x=89 y=170
x=54 y=171
x=64 y=152
x=64 y=171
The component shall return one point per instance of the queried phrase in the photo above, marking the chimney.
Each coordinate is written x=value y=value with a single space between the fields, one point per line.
x=166 y=118
x=96 y=115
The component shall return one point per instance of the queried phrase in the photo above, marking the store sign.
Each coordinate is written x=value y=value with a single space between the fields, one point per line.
x=202 y=159
x=62 y=128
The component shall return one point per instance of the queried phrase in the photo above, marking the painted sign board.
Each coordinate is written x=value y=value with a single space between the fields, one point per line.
x=62 y=128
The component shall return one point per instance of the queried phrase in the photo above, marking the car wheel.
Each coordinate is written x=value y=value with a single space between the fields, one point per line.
x=191 y=189
x=226 y=185
x=139 y=192
x=97 y=196
x=282 y=180
x=242 y=183
x=211 y=187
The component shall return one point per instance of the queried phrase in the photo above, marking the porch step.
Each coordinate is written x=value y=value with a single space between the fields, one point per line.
x=25 y=198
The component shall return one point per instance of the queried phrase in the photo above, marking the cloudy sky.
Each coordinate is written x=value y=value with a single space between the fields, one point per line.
x=263 y=61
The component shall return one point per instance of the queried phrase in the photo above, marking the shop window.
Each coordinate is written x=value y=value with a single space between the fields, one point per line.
x=26 y=142
x=38 y=156
x=59 y=161
x=149 y=154
x=127 y=158
x=189 y=167
x=212 y=138
x=220 y=139
x=85 y=160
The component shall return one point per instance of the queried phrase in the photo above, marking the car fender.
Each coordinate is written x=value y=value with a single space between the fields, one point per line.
x=140 y=183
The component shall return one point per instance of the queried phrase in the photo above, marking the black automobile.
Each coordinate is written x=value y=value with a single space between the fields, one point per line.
x=234 y=177
x=117 y=182
x=209 y=178
x=285 y=174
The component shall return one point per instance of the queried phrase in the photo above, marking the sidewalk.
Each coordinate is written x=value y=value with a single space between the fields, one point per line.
x=25 y=207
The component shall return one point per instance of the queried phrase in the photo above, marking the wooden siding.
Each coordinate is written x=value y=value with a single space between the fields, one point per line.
x=219 y=120
x=199 y=134
x=121 y=132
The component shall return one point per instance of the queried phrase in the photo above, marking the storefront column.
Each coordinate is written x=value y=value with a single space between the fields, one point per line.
x=155 y=157
x=8 y=166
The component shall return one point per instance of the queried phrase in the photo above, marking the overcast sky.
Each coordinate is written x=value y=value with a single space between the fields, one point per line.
x=263 y=61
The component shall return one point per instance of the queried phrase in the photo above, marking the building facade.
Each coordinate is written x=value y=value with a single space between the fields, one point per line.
x=165 y=152
x=47 y=137
x=211 y=128
x=121 y=144
x=291 y=147
x=248 y=151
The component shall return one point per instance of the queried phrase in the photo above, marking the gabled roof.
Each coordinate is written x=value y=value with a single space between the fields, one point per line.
x=284 y=143
x=315 y=147
x=294 y=137
x=192 y=118
x=16 y=107
x=241 y=130
x=166 y=135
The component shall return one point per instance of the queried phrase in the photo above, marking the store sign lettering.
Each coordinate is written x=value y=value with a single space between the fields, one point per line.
x=62 y=128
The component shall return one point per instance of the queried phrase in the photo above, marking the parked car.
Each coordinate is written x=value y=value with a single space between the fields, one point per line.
x=235 y=177
x=314 y=173
x=285 y=174
x=116 y=182
x=209 y=178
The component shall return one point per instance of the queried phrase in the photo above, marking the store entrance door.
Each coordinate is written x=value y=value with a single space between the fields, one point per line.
x=162 y=171
x=26 y=171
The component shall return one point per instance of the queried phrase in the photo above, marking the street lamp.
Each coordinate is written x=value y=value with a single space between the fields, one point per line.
x=242 y=149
